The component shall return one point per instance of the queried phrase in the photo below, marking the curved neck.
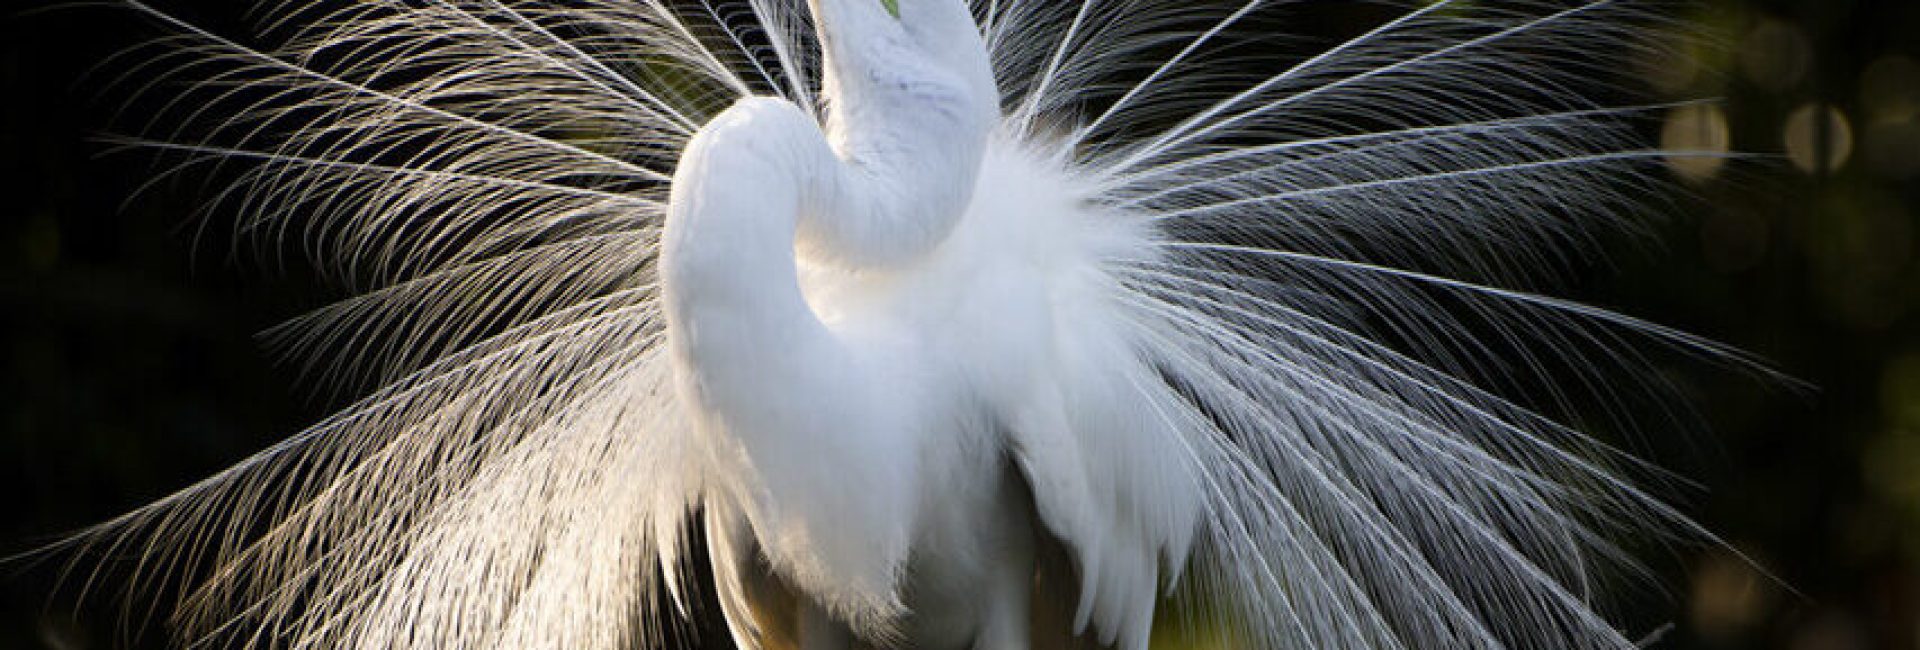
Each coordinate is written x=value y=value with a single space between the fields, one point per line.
x=911 y=108
x=787 y=408
x=728 y=277
x=911 y=103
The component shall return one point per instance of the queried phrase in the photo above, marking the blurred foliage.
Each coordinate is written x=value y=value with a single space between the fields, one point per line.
x=128 y=367
x=1812 y=260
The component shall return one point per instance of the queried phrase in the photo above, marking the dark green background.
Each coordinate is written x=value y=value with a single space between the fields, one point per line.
x=128 y=367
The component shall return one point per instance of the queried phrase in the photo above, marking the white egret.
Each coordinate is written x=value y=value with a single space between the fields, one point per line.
x=945 y=325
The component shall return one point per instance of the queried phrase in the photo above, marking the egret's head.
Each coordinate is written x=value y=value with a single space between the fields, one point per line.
x=915 y=51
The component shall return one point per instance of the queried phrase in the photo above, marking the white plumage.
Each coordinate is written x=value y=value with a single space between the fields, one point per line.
x=966 y=284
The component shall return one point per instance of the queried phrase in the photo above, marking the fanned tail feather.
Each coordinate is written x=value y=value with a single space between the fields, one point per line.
x=1322 y=328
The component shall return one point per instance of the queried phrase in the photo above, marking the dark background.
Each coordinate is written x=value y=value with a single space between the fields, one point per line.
x=128 y=367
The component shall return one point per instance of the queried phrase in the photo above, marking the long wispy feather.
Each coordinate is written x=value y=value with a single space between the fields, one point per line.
x=1333 y=317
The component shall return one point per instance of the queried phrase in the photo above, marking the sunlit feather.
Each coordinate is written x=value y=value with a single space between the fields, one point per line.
x=1282 y=340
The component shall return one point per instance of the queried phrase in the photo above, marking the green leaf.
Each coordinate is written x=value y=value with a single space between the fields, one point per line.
x=893 y=7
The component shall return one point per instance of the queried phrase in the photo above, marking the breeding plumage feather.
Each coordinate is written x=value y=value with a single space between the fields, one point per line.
x=1238 y=324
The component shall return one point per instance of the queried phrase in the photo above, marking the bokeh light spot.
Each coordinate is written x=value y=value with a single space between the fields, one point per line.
x=1818 y=138
x=1729 y=597
x=1890 y=89
x=1700 y=133
x=1674 y=67
x=1776 y=55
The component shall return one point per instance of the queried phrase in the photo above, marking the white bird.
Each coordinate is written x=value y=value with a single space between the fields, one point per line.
x=944 y=325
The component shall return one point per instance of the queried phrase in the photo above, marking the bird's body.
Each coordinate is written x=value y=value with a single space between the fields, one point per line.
x=866 y=412
x=932 y=354
x=871 y=415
